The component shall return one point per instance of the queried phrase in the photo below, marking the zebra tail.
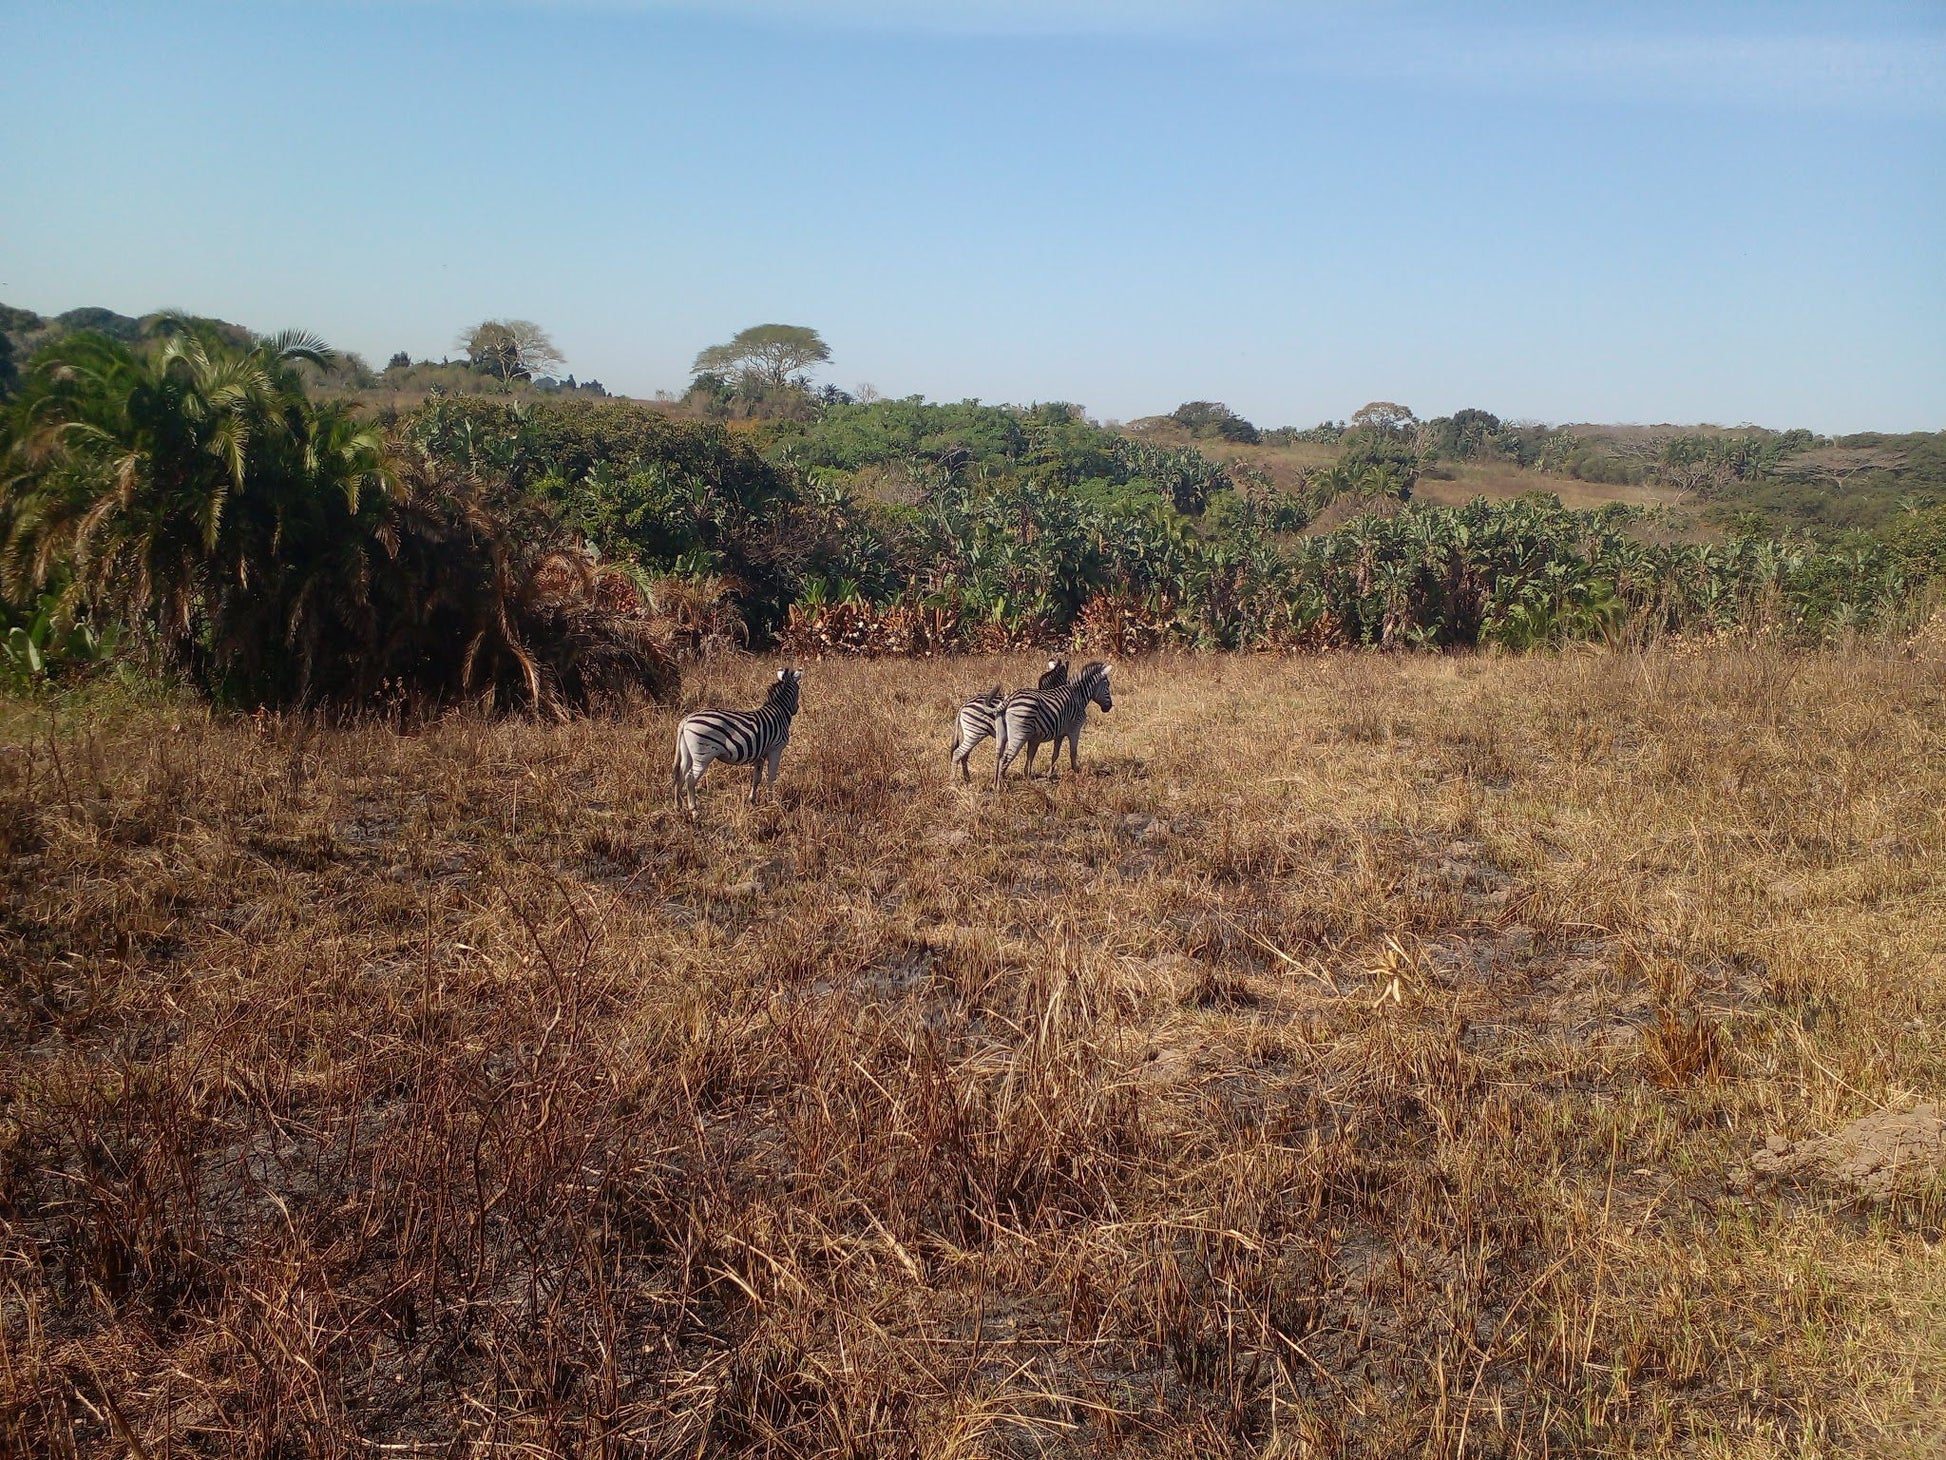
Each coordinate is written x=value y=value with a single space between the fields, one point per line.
x=992 y=701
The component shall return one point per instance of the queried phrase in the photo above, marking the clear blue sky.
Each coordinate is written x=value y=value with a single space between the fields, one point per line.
x=1697 y=212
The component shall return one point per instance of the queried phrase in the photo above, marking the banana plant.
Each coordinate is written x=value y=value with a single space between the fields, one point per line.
x=47 y=643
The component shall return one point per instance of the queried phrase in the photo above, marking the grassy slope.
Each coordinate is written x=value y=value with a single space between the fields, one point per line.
x=1284 y=465
x=1301 y=1090
x=1494 y=481
x=1475 y=479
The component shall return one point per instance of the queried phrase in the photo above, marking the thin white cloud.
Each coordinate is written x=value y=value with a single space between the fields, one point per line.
x=986 y=17
x=1880 y=73
x=1883 y=56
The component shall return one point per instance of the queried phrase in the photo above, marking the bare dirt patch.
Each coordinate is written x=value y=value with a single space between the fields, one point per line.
x=1879 y=1156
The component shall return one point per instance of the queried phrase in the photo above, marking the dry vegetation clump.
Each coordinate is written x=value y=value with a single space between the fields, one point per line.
x=1361 y=1056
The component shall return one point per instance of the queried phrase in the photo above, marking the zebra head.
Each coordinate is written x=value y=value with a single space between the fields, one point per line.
x=783 y=693
x=1094 y=684
x=1055 y=675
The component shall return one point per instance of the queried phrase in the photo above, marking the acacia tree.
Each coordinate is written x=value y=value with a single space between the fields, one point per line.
x=768 y=354
x=1835 y=466
x=511 y=349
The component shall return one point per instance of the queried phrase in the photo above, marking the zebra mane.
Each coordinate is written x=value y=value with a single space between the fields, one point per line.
x=783 y=689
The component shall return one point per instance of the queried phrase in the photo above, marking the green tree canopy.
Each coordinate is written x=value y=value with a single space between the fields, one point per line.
x=1465 y=433
x=1384 y=418
x=1206 y=418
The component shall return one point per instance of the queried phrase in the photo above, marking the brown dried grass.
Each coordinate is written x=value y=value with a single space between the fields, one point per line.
x=1377 y=1080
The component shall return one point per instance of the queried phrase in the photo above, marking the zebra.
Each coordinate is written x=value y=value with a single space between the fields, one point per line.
x=736 y=737
x=975 y=720
x=1030 y=717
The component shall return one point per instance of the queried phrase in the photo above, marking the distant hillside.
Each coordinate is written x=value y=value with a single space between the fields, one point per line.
x=28 y=331
x=1707 y=479
x=22 y=331
x=402 y=384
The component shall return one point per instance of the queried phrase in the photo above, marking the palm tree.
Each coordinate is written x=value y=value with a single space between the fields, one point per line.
x=138 y=470
x=304 y=555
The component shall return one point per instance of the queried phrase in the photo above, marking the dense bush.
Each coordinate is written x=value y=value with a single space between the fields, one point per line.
x=665 y=494
x=1206 y=419
x=1521 y=574
x=555 y=553
x=280 y=550
x=1036 y=526
x=1325 y=433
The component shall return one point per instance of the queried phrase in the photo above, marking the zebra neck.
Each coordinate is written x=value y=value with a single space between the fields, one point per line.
x=1074 y=701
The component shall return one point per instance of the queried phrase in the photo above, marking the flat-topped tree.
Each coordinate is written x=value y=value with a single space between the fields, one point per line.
x=769 y=353
x=1834 y=466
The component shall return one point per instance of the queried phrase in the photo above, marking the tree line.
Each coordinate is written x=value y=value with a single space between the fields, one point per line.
x=205 y=504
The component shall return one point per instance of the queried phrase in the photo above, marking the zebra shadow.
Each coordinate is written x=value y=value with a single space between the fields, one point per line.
x=1120 y=768
x=1116 y=768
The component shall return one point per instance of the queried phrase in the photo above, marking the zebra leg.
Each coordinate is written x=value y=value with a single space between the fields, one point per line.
x=680 y=783
x=702 y=765
x=756 y=779
x=1003 y=754
x=688 y=774
x=776 y=760
x=1074 y=751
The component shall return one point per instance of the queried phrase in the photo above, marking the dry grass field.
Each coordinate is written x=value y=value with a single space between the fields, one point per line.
x=1361 y=1056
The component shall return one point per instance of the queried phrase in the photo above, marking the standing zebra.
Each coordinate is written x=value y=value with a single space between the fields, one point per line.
x=1031 y=717
x=975 y=720
x=736 y=737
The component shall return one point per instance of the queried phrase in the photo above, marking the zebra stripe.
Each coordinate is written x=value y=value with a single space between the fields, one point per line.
x=975 y=720
x=1031 y=717
x=736 y=737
